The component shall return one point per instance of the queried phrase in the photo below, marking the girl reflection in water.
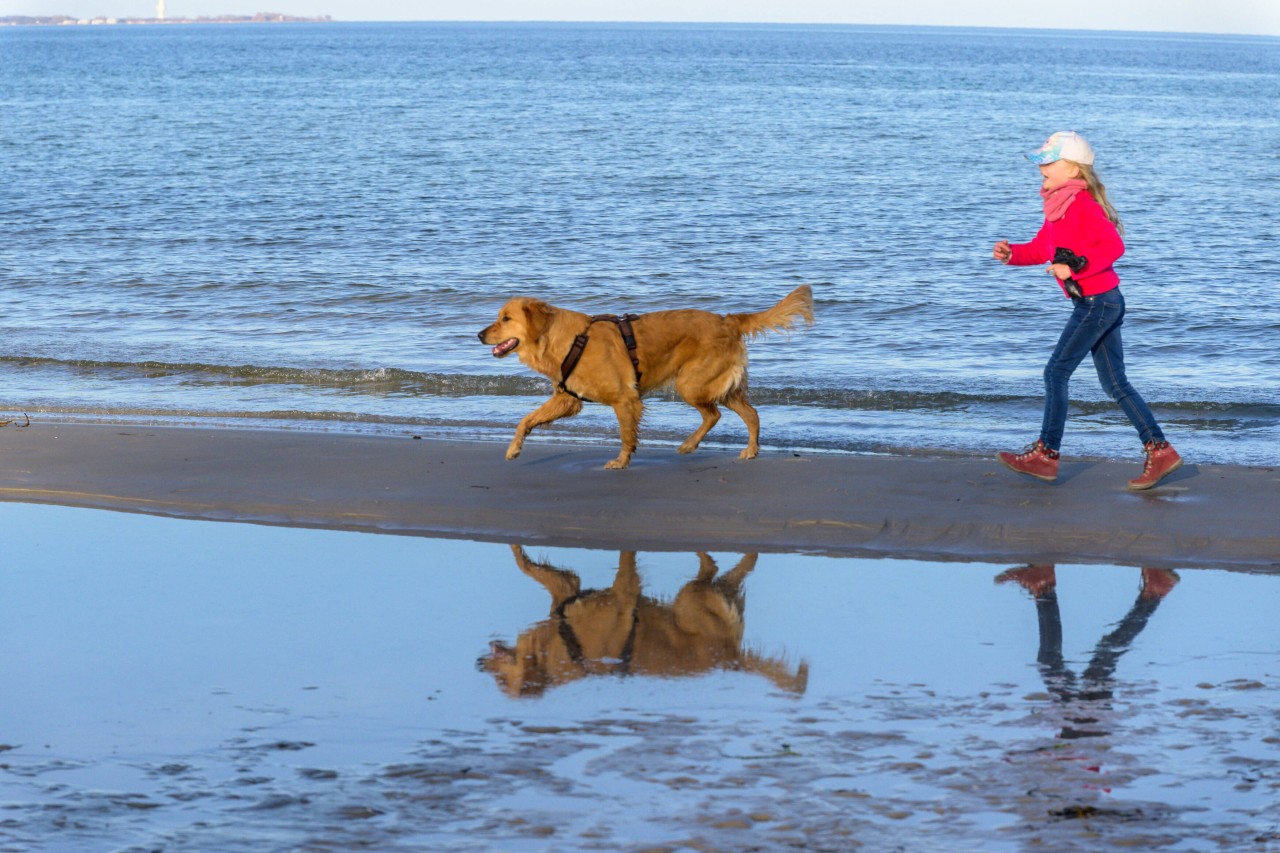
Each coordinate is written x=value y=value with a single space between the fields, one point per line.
x=1079 y=774
x=1090 y=694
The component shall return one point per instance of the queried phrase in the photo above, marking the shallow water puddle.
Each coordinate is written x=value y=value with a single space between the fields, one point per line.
x=175 y=685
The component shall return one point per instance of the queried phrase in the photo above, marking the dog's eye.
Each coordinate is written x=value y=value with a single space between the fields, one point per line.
x=506 y=317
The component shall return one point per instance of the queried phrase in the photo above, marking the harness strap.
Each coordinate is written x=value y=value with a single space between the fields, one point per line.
x=628 y=338
x=570 y=639
x=628 y=647
x=574 y=648
x=571 y=361
x=580 y=343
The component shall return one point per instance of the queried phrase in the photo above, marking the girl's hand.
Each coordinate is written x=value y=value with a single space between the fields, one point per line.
x=1001 y=252
x=1061 y=272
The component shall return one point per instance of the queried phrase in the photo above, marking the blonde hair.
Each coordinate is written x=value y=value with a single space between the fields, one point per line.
x=1099 y=192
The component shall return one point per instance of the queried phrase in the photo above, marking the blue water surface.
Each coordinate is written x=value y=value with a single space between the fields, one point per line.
x=306 y=224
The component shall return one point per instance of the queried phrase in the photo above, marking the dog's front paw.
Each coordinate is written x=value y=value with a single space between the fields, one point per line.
x=513 y=451
x=749 y=453
x=617 y=464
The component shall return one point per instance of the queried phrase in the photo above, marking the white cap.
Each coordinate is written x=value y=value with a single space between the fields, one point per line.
x=1063 y=145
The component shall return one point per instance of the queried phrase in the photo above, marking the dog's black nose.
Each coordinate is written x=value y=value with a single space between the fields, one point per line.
x=480 y=335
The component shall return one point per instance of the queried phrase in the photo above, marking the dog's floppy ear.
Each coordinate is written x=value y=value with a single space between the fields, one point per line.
x=537 y=315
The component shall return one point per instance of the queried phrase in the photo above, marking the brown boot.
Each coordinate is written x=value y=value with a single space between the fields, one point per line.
x=1162 y=460
x=1036 y=461
x=1157 y=583
x=1037 y=580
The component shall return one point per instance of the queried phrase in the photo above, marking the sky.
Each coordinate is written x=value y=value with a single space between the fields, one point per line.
x=1257 y=17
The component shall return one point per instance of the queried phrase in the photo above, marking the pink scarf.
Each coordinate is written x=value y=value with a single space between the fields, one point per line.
x=1058 y=200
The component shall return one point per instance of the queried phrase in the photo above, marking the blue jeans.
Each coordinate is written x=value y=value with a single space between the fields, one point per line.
x=1094 y=328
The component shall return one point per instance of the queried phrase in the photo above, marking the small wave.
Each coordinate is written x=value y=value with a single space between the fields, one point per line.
x=399 y=382
x=380 y=380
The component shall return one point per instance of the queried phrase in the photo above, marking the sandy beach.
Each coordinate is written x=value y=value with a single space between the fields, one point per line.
x=559 y=494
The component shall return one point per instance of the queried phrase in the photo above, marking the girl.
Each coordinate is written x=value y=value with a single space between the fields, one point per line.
x=1080 y=240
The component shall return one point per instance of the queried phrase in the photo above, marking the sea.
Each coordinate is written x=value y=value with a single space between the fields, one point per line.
x=304 y=226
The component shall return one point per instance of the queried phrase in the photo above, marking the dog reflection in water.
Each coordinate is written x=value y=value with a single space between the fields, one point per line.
x=620 y=631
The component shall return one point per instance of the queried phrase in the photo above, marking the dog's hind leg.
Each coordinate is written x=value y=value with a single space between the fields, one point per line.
x=707 y=568
x=710 y=416
x=628 y=410
x=737 y=402
x=561 y=405
x=734 y=578
x=692 y=386
x=728 y=585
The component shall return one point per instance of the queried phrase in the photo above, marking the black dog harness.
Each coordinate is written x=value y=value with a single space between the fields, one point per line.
x=580 y=343
x=574 y=648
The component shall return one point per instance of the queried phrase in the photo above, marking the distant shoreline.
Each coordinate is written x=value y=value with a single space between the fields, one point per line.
x=67 y=20
x=275 y=18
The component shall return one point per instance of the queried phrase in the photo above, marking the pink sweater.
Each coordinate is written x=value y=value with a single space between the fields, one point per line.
x=1085 y=230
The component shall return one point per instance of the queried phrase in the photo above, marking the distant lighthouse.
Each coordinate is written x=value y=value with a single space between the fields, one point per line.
x=160 y=10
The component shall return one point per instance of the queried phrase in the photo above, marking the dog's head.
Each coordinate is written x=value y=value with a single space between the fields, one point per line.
x=521 y=321
x=529 y=668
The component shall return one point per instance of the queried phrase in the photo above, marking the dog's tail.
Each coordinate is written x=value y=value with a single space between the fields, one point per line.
x=795 y=306
x=784 y=677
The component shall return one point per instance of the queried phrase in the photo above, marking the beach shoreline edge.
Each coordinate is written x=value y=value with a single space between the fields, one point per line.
x=968 y=509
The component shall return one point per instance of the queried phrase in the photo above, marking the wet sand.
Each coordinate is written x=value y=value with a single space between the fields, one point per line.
x=559 y=494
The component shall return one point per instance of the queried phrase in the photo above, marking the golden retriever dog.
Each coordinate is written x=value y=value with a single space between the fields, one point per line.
x=703 y=355
x=620 y=631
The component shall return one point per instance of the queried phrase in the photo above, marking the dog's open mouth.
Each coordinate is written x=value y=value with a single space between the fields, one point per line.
x=505 y=347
